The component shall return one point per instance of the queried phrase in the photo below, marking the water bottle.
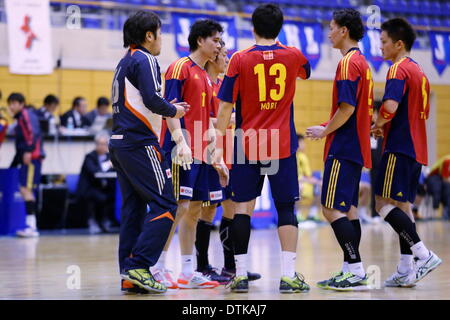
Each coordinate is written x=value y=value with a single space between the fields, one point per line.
x=70 y=124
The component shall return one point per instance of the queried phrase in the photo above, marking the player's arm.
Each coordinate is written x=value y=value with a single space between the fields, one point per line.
x=393 y=93
x=305 y=68
x=341 y=116
x=347 y=87
x=151 y=96
x=173 y=92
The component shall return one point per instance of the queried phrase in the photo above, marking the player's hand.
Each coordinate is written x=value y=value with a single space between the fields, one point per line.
x=224 y=173
x=183 y=155
x=377 y=132
x=182 y=108
x=315 y=132
x=26 y=158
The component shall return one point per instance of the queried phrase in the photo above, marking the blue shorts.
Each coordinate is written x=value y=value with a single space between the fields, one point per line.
x=398 y=177
x=30 y=175
x=191 y=184
x=247 y=179
x=340 y=184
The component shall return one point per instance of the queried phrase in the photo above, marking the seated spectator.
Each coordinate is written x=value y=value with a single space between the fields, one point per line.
x=97 y=192
x=98 y=116
x=75 y=117
x=308 y=185
x=46 y=114
x=438 y=185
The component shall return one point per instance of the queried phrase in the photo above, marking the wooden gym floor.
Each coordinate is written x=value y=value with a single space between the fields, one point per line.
x=37 y=268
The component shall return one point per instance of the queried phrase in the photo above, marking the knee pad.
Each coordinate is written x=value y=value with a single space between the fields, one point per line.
x=384 y=211
x=286 y=215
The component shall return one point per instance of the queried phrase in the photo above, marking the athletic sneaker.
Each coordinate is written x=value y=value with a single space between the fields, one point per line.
x=293 y=285
x=238 y=284
x=212 y=274
x=349 y=282
x=164 y=276
x=403 y=280
x=425 y=266
x=128 y=287
x=27 y=233
x=144 y=279
x=324 y=283
x=195 y=281
x=252 y=276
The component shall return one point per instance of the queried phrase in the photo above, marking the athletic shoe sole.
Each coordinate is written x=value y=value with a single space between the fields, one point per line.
x=430 y=269
x=140 y=285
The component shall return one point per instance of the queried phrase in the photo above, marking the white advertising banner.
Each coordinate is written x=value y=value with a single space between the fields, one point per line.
x=29 y=36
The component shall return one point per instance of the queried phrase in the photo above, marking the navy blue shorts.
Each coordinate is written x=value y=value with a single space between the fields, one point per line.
x=30 y=175
x=248 y=179
x=191 y=184
x=398 y=177
x=340 y=184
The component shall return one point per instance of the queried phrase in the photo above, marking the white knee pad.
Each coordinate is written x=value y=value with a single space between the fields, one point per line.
x=384 y=211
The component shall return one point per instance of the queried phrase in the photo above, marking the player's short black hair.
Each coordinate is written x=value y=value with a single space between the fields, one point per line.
x=102 y=101
x=16 y=96
x=76 y=101
x=51 y=99
x=137 y=26
x=267 y=20
x=202 y=28
x=399 y=29
x=351 y=19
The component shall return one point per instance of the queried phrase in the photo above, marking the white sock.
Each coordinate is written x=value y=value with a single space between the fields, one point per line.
x=345 y=267
x=31 y=221
x=241 y=264
x=420 y=251
x=406 y=263
x=357 y=269
x=187 y=264
x=288 y=263
x=161 y=264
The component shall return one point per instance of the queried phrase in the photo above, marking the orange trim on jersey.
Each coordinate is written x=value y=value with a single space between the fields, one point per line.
x=133 y=51
x=157 y=153
x=164 y=215
x=177 y=69
x=137 y=114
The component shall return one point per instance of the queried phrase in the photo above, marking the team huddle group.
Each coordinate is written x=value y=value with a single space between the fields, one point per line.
x=174 y=167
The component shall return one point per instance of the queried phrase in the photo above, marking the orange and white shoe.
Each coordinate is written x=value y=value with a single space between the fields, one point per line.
x=164 y=276
x=196 y=281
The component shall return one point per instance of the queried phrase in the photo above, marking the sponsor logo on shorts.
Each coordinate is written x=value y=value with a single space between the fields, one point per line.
x=216 y=195
x=186 y=191
x=168 y=173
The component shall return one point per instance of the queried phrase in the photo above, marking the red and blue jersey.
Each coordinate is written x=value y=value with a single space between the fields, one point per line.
x=353 y=85
x=187 y=81
x=407 y=84
x=137 y=100
x=28 y=135
x=261 y=81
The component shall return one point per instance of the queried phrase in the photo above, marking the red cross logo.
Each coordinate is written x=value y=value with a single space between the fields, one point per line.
x=27 y=30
